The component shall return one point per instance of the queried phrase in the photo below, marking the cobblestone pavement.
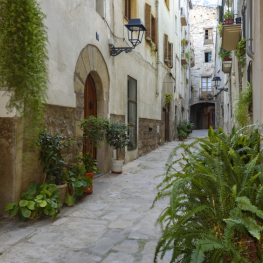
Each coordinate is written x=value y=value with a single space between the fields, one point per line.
x=114 y=225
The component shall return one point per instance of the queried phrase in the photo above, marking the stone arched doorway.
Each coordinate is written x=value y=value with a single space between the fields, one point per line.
x=91 y=69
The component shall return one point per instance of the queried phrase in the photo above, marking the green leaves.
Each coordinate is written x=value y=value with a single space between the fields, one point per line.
x=23 y=203
x=23 y=67
x=215 y=190
x=69 y=200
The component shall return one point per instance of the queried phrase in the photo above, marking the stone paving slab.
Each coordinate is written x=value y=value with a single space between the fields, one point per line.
x=114 y=225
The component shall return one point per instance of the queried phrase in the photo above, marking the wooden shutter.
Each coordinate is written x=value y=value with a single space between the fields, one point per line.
x=154 y=30
x=165 y=46
x=171 y=55
x=148 y=23
x=127 y=9
x=208 y=36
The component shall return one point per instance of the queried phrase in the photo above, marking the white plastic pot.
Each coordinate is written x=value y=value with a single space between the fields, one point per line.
x=116 y=166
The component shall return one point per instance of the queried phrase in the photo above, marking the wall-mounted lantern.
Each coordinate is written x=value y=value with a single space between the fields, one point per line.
x=134 y=25
x=216 y=81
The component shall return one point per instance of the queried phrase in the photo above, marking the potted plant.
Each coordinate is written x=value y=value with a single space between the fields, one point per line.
x=229 y=17
x=184 y=43
x=52 y=159
x=192 y=88
x=90 y=170
x=116 y=136
x=93 y=132
x=150 y=127
x=182 y=135
x=224 y=54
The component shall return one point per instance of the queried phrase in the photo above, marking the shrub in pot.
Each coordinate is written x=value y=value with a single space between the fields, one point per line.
x=37 y=200
x=77 y=182
x=93 y=132
x=52 y=158
x=116 y=136
x=215 y=212
x=229 y=17
x=182 y=135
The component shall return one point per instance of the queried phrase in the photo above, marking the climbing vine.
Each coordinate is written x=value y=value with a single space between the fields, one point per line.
x=241 y=53
x=23 y=68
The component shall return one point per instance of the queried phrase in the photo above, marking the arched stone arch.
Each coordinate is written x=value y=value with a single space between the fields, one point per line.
x=91 y=61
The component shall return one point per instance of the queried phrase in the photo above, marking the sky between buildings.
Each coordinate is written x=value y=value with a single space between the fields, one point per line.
x=205 y=2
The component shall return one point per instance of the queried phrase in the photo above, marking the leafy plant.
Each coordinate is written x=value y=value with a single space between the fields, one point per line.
x=150 y=126
x=241 y=106
x=241 y=53
x=220 y=29
x=116 y=136
x=75 y=178
x=228 y=15
x=93 y=131
x=182 y=134
x=223 y=54
x=36 y=201
x=168 y=98
x=187 y=55
x=51 y=157
x=215 y=210
x=192 y=88
x=89 y=163
x=23 y=67
x=187 y=80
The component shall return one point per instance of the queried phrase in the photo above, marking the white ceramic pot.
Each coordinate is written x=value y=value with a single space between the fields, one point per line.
x=116 y=166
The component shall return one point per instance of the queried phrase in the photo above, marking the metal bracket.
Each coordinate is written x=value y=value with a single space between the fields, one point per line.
x=115 y=51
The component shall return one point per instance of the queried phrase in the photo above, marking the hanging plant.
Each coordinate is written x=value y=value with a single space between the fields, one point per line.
x=220 y=29
x=168 y=98
x=23 y=68
x=241 y=53
x=241 y=107
x=153 y=50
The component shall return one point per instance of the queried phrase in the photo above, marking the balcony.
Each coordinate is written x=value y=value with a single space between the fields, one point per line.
x=183 y=18
x=226 y=66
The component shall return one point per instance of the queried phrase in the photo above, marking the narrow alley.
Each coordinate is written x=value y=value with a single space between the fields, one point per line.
x=115 y=224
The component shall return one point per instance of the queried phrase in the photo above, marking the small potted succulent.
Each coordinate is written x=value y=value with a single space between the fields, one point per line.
x=229 y=17
x=150 y=127
x=116 y=136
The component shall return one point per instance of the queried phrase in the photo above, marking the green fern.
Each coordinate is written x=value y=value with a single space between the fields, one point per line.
x=214 y=198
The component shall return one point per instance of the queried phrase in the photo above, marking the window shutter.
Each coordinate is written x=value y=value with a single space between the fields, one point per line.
x=154 y=30
x=148 y=23
x=127 y=9
x=165 y=46
x=171 y=55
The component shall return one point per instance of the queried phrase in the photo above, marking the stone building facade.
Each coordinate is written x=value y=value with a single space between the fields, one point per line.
x=234 y=78
x=203 y=38
x=79 y=50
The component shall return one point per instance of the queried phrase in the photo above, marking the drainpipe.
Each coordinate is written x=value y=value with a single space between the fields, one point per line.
x=250 y=53
x=158 y=46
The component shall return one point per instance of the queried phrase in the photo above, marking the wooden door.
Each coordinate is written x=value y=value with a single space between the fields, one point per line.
x=90 y=107
x=167 y=125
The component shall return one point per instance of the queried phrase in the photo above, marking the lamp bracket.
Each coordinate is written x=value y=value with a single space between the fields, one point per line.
x=115 y=51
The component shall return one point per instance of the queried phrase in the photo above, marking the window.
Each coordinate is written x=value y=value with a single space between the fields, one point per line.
x=176 y=24
x=150 y=24
x=132 y=112
x=208 y=57
x=206 y=85
x=127 y=9
x=168 y=52
x=208 y=36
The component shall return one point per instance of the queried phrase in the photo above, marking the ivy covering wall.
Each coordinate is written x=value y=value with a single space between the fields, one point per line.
x=23 y=67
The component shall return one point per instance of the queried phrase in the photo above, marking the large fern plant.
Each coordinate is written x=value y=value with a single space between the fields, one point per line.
x=215 y=212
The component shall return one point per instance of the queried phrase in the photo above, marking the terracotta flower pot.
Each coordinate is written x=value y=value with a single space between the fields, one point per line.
x=63 y=190
x=181 y=138
x=89 y=191
x=229 y=21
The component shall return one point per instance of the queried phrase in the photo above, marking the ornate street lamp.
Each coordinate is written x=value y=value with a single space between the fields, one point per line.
x=134 y=25
x=217 y=81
